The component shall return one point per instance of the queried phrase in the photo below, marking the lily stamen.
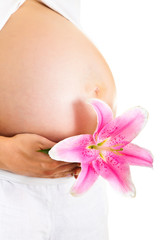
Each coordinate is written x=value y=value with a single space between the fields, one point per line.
x=100 y=148
x=103 y=153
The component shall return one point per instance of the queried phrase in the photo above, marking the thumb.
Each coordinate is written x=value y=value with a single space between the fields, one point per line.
x=46 y=143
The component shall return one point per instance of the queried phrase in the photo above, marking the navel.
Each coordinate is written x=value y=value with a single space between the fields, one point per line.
x=96 y=91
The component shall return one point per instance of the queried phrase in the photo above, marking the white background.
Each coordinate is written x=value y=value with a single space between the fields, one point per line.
x=127 y=33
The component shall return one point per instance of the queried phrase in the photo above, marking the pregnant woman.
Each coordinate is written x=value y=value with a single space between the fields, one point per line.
x=48 y=71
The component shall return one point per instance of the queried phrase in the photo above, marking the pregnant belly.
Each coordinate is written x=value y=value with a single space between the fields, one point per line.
x=48 y=71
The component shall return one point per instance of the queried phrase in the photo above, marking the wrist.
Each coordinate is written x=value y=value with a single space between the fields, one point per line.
x=5 y=147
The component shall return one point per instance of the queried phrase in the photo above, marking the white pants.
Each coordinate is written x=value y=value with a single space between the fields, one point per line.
x=43 y=209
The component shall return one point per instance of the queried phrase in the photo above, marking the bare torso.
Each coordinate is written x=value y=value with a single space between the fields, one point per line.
x=48 y=70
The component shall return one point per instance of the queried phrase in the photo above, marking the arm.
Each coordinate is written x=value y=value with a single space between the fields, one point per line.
x=19 y=154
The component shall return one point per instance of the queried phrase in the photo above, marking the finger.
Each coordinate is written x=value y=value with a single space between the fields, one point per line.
x=60 y=163
x=53 y=174
x=53 y=164
x=45 y=157
x=59 y=175
x=59 y=170
x=64 y=174
x=69 y=167
x=76 y=171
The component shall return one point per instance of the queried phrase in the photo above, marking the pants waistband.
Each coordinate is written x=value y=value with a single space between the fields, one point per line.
x=6 y=175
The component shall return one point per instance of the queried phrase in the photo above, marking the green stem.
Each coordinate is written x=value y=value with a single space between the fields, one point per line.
x=44 y=150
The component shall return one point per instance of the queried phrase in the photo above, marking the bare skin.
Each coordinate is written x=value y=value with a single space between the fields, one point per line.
x=19 y=155
x=48 y=71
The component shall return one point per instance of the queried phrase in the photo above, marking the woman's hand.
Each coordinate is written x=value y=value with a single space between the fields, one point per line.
x=19 y=154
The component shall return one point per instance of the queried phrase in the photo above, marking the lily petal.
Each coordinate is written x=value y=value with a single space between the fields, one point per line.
x=74 y=149
x=116 y=173
x=85 y=180
x=125 y=128
x=135 y=155
x=104 y=115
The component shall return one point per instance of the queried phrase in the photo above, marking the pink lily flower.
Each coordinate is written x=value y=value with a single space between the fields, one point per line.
x=108 y=152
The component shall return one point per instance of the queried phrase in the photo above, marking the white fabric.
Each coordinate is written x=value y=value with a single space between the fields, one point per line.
x=7 y=7
x=70 y=9
x=41 y=208
x=40 y=211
